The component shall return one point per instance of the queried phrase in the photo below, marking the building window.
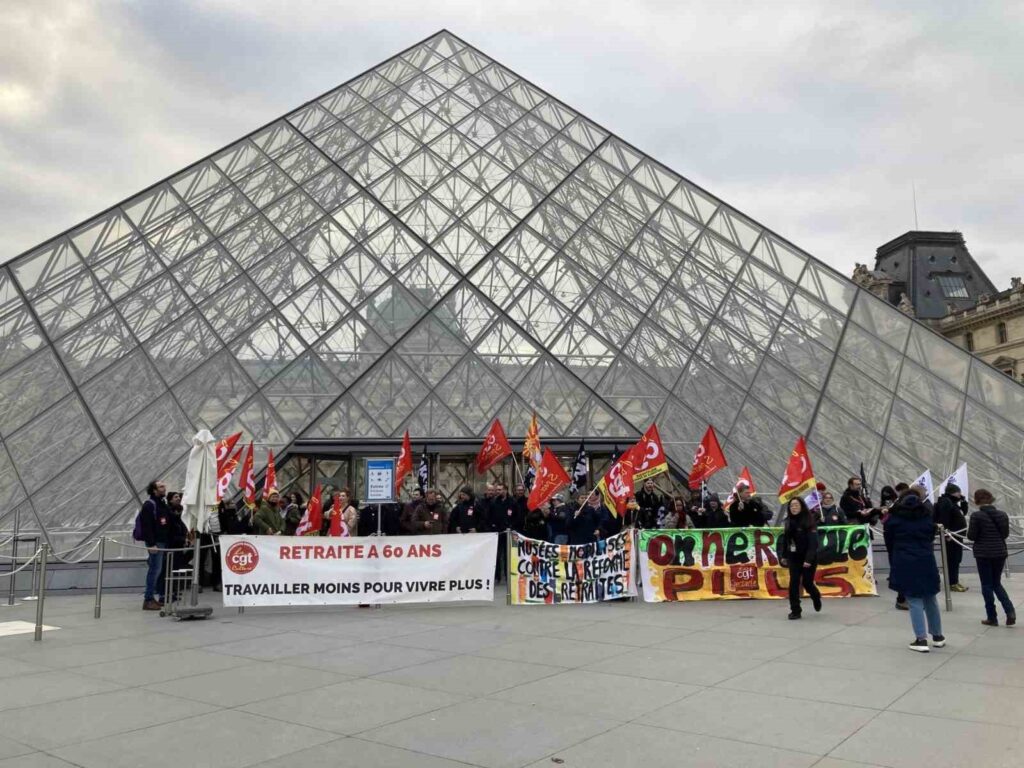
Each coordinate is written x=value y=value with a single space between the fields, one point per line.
x=1001 y=333
x=969 y=341
x=953 y=286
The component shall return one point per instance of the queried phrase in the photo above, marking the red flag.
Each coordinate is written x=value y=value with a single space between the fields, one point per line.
x=313 y=517
x=247 y=482
x=550 y=477
x=270 y=481
x=652 y=456
x=708 y=459
x=404 y=462
x=224 y=472
x=799 y=477
x=744 y=479
x=494 y=449
x=617 y=484
x=338 y=527
x=224 y=448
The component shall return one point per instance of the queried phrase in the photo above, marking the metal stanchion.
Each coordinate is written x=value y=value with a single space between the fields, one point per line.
x=99 y=578
x=35 y=570
x=14 y=555
x=508 y=567
x=42 y=590
x=945 y=568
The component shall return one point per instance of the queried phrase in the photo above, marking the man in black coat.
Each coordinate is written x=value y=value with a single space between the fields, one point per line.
x=649 y=501
x=951 y=512
x=464 y=517
x=856 y=504
x=584 y=526
x=157 y=525
x=747 y=511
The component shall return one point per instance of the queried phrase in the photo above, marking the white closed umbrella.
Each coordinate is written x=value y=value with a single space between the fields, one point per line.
x=200 y=496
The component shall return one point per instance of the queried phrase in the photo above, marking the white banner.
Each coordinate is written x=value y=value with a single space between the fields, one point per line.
x=314 y=570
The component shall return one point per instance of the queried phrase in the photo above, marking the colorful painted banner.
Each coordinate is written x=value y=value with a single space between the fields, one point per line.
x=543 y=574
x=735 y=563
x=288 y=570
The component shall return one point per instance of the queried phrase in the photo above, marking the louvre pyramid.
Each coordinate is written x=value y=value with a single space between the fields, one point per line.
x=430 y=245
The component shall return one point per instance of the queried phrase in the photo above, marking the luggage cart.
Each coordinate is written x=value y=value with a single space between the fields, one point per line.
x=178 y=592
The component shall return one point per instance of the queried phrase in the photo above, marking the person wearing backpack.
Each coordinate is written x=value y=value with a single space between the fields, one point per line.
x=153 y=525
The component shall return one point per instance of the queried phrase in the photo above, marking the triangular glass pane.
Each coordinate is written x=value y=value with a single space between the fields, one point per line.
x=181 y=347
x=632 y=393
x=508 y=352
x=597 y=419
x=710 y=394
x=266 y=349
x=260 y=423
x=428 y=278
x=539 y=314
x=356 y=276
x=549 y=389
x=785 y=394
x=52 y=441
x=695 y=203
x=433 y=418
x=499 y=280
x=580 y=350
x=302 y=392
x=213 y=391
x=567 y=282
x=527 y=251
x=350 y=349
x=143 y=457
x=431 y=350
x=123 y=390
x=390 y=391
x=392 y=311
x=282 y=274
x=657 y=353
x=473 y=392
x=21 y=397
x=314 y=310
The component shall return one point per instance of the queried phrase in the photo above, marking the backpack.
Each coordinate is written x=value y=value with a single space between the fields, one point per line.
x=137 y=530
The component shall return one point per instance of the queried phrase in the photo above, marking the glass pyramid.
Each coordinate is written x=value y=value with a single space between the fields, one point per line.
x=432 y=244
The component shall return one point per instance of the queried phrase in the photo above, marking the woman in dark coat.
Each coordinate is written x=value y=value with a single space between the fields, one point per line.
x=988 y=529
x=909 y=536
x=797 y=548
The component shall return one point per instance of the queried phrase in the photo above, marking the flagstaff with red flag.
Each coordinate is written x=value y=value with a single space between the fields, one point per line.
x=745 y=480
x=270 y=479
x=495 y=448
x=799 y=476
x=247 y=482
x=550 y=477
x=618 y=485
x=708 y=459
x=404 y=466
x=338 y=527
x=652 y=459
x=224 y=472
x=313 y=517
x=223 y=450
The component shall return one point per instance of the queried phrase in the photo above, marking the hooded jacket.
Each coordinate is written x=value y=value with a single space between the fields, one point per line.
x=706 y=517
x=798 y=542
x=951 y=511
x=909 y=537
x=747 y=513
x=988 y=529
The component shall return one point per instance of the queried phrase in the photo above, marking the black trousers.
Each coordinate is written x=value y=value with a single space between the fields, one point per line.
x=799 y=575
x=954 y=556
x=213 y=554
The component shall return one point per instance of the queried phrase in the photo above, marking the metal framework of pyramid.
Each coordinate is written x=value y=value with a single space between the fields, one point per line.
x=430 y=245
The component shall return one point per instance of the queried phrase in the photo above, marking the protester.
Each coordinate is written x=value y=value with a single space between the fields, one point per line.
x=267 y=519
x=179 y=538
x=293 y=511
x=909 y=535
x=585 y=524
x=522 y=507
x=155 y=525
x=558 y=520
x=389 y=525
x=951 y=512
x=235 y=521
x=674 y=515
x=711 y=515
x=650 y=501
x=464 y=517
x=536 y=525
x=988 y=529
x=797 y=549
x=341 y=499
x=887 y=497
x=746 y=510
x=505 y=511
x=831 y=514
x=856 y=505
x=900 y=491
x=428 y=517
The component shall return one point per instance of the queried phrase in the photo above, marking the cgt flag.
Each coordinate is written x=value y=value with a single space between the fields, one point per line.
x=338 y=525
x=270 y=481
x=313 y=517
x=550 y=477
x=651 y=455
x=707 y=460
x=223 y=450
x=799 y=477
x=224 y=472
x=404 y=466
x=247 y=482
x=617 y=484
x=744 y=479
x=580 y=470
x=495 y=448
x=423 y=472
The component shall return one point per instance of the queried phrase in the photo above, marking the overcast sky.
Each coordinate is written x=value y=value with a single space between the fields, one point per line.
x=813 y=118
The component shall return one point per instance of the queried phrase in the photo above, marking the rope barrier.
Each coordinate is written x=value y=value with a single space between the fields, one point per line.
x=143 y=546
x=26 y=564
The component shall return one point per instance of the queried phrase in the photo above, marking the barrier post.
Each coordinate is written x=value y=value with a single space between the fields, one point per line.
x=35 y=570
x=508 y=567
x=14 y=555
x=99 y=577
x=42 y=590
x=945 y=567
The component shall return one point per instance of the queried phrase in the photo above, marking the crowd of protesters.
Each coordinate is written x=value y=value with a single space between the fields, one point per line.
x=909 y=519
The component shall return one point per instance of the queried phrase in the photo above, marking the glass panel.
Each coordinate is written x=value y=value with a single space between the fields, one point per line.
x=528 y=252
x=70 y=304
x=153 y=307
x=179 y=238
x=718 y=256
x=213 y=391
x=204 y=273
x=870 y=356
x=51 y=442
x=252 y=241
x=223 y=211
x=266 y=185
x=293 y=213
x=610 y=315
x=921 y=439
x=507 y=352
x=346 y=418
x=780 y=256
x=550 y=389
x=680 y=432
x=473 y=392
x=465 y=314
x=762 y=435
x=145 y=458
x=266 y=349
x=350 y=349
x=825 y=285
x=732 y=356
x=818 y=322
x=183 y=346
x=462 y=248
x=785 y=394
x=330 y=189
x=567 y=282
x=127 y=269
x=258 y=421
x=428 y=278
x=360 y=216
x=858 y=394
x=735 y=228
x=997 y=391
x=11 y=492
x=393 y=246
x=19 y=337
x=930 y=395
x=632 y=393
x=744 y=315
x=282 y=274
x=235 y=308
x=323 y=244
x=883 y=321
x=391 y=311
x=800 y=354
x=1007 y=487
x=154 y=208
x=938 y=355
x=86 y=494
x=92 y=347
x=710 y=394
x=356 y=276
x=30 y=389
x=597 y=419
x=847 y=438
x=994 y=437
x=302 y=392
x=121 y=392
x=46 y=268
x=658 y=353
x=768 y=288
x=499 y=280
x=580 y=350
x=431 y=350
x=390 y=391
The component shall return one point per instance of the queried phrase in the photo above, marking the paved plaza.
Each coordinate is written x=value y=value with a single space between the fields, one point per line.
x=702 y=684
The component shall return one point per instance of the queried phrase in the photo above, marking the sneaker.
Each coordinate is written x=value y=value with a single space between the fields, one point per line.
x=990 y=622
x=903 y=606
x=794 y=616
x=920 y=645
x=1011 y=619
x=938 y=641
x=958 y=588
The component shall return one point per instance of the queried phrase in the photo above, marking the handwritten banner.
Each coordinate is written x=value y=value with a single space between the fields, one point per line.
x=544 y=574
x=286 y=570
x=735 y=563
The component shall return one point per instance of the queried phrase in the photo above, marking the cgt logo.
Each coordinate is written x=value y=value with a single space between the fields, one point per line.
x=242 y=557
